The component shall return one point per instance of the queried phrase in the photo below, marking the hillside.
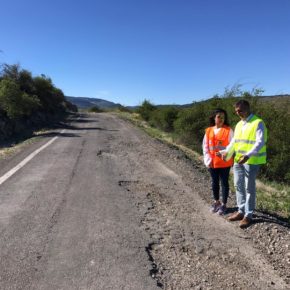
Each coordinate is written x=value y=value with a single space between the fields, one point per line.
x=85 y=103
x=278 y=101
x=285 y=97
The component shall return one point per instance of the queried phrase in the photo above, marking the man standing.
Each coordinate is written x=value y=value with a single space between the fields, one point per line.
x=249 y=146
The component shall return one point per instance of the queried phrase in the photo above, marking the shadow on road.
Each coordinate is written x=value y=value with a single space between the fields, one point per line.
x=84 y=120
x=71 y=127
x=264 y=217
x=14 y=140
x=54 y=134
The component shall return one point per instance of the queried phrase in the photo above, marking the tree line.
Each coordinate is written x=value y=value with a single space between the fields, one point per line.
x=187 y=125
x=28 y=101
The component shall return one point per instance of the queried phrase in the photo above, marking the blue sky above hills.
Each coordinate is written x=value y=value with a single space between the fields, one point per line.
x=167 y=51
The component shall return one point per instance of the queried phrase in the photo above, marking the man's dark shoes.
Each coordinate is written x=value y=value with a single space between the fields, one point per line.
x=237 y=216
x=245 y=222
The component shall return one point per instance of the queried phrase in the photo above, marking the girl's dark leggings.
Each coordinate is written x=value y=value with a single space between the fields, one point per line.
x=217 y=175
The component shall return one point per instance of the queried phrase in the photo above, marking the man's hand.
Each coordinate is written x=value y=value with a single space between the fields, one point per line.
x=221 y=155
x=243 y=159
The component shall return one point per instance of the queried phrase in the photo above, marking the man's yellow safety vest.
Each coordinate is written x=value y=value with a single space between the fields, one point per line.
x=245 y=140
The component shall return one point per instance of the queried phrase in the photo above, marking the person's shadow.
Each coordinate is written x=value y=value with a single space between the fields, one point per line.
x=266 y=217
x=261 y=216
x=231 y=210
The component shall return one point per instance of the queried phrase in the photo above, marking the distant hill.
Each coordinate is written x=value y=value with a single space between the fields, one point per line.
x=86 y=103
x=278 y=101
x=277 y=98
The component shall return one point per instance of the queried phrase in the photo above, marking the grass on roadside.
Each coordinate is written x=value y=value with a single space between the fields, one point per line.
x=273 y=198
x=13 y=147
x=5 y=152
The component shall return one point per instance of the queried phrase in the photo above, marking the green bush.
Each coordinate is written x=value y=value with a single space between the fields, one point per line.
x=188 y=125
x=14 y=102
x=95 y=109
x=146 y=110
x=20 y=87
x=51 y=98
x=278 y=145
x=29 y=101
x=124 y=109
x=164 y=118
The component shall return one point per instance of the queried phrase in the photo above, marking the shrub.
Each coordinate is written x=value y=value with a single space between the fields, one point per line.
x=14 y=102
x=146 y=109
x=95 y=109
x=164 y=118
x=190 y=125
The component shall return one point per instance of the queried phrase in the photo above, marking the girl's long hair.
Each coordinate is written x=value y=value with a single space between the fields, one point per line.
x=214 y=113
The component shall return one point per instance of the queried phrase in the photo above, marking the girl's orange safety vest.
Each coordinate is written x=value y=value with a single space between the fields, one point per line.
x=216 y=143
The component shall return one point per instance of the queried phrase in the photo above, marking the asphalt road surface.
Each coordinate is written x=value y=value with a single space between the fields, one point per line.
x=103 y=206
x=65 y=222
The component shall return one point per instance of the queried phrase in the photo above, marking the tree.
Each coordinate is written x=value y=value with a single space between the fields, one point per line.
x=146 y=109
x=165 y=117
x=10 y=71
x=51 y=98
x=14 y=102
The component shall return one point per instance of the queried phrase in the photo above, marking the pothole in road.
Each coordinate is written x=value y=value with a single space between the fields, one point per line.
x=154 y=271
x=105 y=153
x=127 y=183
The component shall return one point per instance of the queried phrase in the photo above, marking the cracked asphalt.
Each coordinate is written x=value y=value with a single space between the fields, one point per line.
x=107 y=207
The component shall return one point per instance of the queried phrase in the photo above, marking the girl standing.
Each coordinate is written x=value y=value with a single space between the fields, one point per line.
x=216 y=138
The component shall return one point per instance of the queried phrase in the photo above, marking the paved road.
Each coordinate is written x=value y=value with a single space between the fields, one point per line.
x=65 y=221
x=106 y=207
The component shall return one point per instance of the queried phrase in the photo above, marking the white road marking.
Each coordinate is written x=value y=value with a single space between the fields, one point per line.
x=8 y=174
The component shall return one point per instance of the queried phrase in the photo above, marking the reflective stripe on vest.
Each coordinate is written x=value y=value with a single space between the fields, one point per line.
x=217 y=148
x=245 y=140
x=216 y=143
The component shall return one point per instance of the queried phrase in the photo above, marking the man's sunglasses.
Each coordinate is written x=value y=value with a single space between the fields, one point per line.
x=239 y=111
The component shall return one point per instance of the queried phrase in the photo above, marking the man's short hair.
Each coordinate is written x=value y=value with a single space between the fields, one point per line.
x=243 y=103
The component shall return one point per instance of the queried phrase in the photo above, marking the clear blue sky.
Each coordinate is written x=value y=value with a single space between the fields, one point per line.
x=167 y=51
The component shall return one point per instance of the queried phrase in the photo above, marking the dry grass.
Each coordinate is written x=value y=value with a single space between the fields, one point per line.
x=13 y=148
